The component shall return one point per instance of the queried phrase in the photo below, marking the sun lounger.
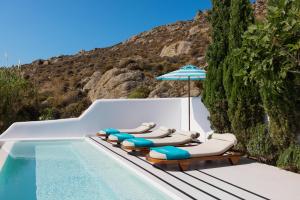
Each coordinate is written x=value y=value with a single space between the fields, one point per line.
x=144 y=127
x=175 y=139
x=215 y=148
x=158 y=133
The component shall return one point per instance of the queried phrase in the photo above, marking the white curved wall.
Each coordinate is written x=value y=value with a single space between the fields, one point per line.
x=119 y=113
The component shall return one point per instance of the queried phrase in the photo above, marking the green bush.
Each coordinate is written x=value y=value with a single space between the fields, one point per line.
x=269 y=54
x=141 y=92
x=18 y=99
x=49 y=113
x=260 y=144
x=290 y=158
x=75 y=109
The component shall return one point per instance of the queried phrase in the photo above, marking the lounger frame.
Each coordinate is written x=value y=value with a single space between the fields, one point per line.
x=233 y=158
x=113 y=141
x=141 y=149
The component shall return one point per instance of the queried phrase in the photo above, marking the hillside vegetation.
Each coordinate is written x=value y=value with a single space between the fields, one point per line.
x=68 y=84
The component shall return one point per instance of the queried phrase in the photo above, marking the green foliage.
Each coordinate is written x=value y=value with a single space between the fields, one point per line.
x=140 y=92
x=260 y=144
x=270 y=53
x=75 y=109
x=290 y=158
x=253 y=72
x=48 y=114
x=17 y=99
x=244 y=103
x=214 y=94
x=241 y=16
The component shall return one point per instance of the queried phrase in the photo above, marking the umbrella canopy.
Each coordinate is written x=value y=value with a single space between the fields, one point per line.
x=188 y=72
x=185 y=73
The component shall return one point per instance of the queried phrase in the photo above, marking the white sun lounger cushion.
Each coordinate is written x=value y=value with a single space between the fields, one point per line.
x=158 y=133
x=225 y=136
x=142 y=128
x=217 y=145
x=174 y=139
x=148 y=124
x=191 y=134
x=163 y=128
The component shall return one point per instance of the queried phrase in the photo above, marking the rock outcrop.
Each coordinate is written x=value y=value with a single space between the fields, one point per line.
x=176 y=49
x=116 y=83
x=194 y=30
x=90 y=82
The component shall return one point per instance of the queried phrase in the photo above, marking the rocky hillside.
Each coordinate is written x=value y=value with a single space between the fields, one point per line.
x=68 y=84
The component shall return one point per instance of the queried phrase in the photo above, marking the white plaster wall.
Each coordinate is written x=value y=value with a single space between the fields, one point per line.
x=118 y=113
x=131 y=113
x=199 y=117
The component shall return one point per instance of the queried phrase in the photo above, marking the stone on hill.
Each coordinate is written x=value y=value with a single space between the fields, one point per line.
x=176 y=49
x=116 y=83
x=124 y=62
x=46 y=62
x=194 y=30
x=198 y=15
x=91 y=81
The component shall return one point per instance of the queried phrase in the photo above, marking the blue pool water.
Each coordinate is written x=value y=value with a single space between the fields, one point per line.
x=69 y=170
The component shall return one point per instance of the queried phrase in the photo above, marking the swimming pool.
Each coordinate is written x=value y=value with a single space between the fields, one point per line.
x=73 y=170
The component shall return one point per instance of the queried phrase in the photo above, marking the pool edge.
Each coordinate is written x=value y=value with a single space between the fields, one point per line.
x=5 y=148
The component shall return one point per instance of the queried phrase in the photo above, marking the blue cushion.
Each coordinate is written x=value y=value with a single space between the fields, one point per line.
x=109 y=131
x=172 y=153
x=141 y=142
x=123 y=136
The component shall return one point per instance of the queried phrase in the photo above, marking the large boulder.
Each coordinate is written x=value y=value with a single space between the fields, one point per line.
x=116 y=83
x=176 y=49
x=194 y=30
x=90 y=82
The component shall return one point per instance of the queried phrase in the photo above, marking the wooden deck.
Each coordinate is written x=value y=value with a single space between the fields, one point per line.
x=215 y=179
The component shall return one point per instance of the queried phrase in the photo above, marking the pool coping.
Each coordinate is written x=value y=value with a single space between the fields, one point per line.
x=5 y=148
x=41 y=139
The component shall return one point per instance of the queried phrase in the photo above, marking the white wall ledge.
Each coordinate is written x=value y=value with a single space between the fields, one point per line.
x=118 y=113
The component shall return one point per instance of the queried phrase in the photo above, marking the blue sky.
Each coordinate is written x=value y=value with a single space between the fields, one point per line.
x=33 y=29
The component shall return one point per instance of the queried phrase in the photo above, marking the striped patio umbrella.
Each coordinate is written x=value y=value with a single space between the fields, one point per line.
x=185 y=73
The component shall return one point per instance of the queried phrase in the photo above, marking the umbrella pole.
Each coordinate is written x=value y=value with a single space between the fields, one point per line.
x=189 y=87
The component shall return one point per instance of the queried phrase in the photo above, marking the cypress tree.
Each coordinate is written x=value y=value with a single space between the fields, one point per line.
x=244 y=103
x=214 y=94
